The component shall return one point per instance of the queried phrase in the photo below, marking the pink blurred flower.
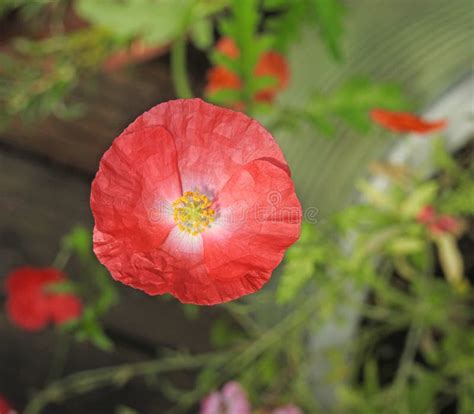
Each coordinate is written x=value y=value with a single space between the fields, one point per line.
x=232 y=399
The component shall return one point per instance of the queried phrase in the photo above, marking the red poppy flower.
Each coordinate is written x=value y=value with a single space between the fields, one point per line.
x=5 y=407
x=438 y=223
x=405 y=122
x=220 y=78
x=194 y=200
x=227 y=47
x=31 y=306
x=270 y=64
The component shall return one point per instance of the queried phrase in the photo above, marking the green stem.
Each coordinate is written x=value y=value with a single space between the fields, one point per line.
x=89 y=380
x=59 y=358
x=179 y=68
x=230 y=362
x=62 y=258
x=406 y=361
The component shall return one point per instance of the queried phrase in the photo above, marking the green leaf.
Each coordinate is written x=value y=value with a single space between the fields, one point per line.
x=420 y=197
x=451 y=259
x=376 y=197
x=224 y=334
x=301 y=262
x=156 y=22
x=402 y=246
x=285 y=25
x=202 y=34
x=219 y=59
x=329 y=18
x=89 y=329
x=242 y=26
x=351 y=103
x=79 y=240
x=225 y=96
x=125 y=410
x=191 y=311
x=61 y=287
x=263 y=82
x=422 y=392
x=460 y=200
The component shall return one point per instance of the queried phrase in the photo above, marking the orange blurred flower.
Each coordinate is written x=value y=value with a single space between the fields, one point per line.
x=269 y=64
x=405 y=122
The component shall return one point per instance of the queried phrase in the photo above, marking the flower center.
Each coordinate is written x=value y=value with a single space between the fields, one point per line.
x=193 y=213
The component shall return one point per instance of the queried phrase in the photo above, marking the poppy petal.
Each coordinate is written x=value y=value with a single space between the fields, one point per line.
x=138 y=178
x=262 y=219
x=212 y=142
x=219 y=78
x=272 y=64
x=405 y=122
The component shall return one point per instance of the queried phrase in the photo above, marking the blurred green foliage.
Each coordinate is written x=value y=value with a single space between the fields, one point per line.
x=38 y=75
x=350 y=103
x=95 y=287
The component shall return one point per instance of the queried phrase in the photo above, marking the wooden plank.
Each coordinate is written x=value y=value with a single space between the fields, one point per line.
x=111 y=103
x=25 y=361
x=39 y=204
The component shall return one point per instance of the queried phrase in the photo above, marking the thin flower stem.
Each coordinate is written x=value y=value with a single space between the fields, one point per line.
x=406 y=361
x=63 y=344
x=62 y=258
x=179 y=68
x=89 y=380
x=242 y=318
x=239 y=359
x=231 y=361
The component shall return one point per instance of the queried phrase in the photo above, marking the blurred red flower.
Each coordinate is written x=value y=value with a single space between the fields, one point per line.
x=405 y=122
x=194 y=200
x=438 y=223
x=270 y=64
x=29 y=303
x=5 y=407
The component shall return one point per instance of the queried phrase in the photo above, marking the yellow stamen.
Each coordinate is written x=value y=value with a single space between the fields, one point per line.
x=192 y=212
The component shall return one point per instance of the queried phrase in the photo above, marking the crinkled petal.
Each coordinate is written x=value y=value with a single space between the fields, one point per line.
x=131 y=198
x=212 y=142
x=259 y=216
